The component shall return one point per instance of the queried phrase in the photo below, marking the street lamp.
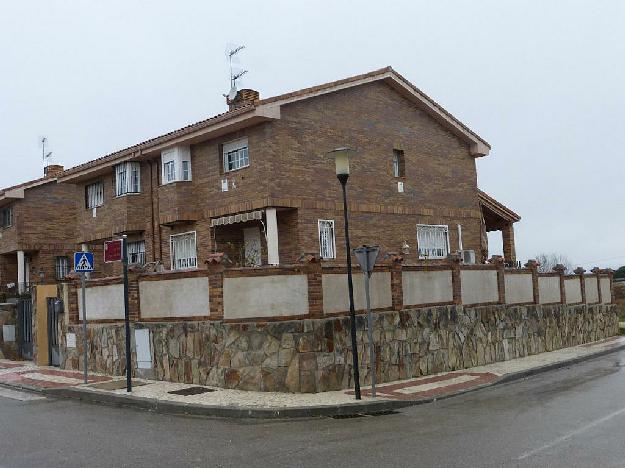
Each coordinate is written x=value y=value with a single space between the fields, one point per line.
x=341 y=160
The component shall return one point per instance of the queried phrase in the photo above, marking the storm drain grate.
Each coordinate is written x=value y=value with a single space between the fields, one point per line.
x=348 y=416
x=364 y=415
x=191 y=391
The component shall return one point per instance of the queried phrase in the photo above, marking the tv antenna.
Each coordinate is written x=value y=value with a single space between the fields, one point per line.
x=45 y=156
x=235 y=74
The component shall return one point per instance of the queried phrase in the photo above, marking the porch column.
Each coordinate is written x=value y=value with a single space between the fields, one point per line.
x=273 y=256
x=509 y=251
x=21 y=272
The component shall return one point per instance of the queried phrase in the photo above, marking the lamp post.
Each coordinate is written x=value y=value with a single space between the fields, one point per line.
x=341 y=159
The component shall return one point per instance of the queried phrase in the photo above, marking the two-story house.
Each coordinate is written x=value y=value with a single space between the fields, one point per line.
x=257 y=183
x=36 y=231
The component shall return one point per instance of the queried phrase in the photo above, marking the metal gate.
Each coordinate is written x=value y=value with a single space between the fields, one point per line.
x=54 y=327
x=25 y=327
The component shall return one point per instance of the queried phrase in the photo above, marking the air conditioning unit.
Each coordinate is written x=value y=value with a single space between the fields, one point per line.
x=468 y=257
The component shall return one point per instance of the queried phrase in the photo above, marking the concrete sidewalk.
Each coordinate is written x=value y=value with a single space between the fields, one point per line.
x=178 y=398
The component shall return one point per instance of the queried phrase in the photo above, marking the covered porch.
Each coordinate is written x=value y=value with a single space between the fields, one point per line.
x=257 y=237
x=498 y=217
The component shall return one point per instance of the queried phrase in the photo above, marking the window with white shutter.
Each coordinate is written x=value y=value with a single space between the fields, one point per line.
x=327 y=244
x=127 y=178
x=94 y=195
x=433 y=241
x=236 y=155
x=183 y=251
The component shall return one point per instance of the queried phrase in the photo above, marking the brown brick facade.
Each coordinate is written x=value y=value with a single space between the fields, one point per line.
x=288 y=170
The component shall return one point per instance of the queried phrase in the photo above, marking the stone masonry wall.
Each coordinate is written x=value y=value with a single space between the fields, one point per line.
x=315 y=356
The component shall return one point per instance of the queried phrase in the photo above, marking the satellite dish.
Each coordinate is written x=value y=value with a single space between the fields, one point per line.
x=232 y=94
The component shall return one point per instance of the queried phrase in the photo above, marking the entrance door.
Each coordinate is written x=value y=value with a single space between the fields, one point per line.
x=53 y=333
x=25 y=327
x=251 y=240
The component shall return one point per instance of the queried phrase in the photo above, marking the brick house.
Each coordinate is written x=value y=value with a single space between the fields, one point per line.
x=256 y=181
x=36 y=231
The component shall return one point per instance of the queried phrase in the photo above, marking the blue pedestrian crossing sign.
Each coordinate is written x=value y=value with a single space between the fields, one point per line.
x=83 y=262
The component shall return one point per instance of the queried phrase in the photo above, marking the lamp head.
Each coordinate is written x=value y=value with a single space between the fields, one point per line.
x=341 y=160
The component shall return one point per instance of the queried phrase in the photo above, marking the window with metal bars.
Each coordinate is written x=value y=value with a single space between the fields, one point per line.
x=433 y=241
x=61 y=267
x=127 y=178
x=327 y=244
x=94 y=195
x=183 y=251
x=136 y=252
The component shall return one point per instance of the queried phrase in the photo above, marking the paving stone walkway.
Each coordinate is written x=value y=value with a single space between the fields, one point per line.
x=27 y=375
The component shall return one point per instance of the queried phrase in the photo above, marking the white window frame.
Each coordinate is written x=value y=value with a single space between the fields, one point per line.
x=94 y=194
x=189 y=262
x=329 y=243
x=176 y=165
x=136 y=248
x=425 y=237
x=239 y=151
x=61 y=267
x=127 y=178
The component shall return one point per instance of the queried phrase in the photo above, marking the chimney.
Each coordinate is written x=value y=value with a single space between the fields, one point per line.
x=243 y=98
x=53 y=170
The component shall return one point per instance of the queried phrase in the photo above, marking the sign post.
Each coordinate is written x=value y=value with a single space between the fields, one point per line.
x=83 y=264
x=367 y=255
x=117 y=251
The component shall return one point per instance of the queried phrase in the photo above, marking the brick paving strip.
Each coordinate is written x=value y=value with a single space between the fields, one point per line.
x=210 y=401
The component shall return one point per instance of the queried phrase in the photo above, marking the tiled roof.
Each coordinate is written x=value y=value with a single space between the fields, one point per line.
x=25 y=185
x=497 y=207
x=112 y=157
x=153 y=141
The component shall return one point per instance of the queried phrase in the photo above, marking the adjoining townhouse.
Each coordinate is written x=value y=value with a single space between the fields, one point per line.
x=36 y=232
x=256 y=183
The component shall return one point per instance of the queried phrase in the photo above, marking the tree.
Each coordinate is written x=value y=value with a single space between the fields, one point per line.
x=620 y=273
x=548 y=260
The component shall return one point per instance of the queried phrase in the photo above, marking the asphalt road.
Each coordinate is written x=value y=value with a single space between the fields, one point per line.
x=570 y=417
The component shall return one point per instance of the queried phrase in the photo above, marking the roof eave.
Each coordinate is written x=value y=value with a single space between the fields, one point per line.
x=478 y=146
x=255 y=116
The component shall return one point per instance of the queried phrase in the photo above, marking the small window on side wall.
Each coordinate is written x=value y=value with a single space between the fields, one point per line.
x=399 y=164
x=6 y=217
x=327 y=243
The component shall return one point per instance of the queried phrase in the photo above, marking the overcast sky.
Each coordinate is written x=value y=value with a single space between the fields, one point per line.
x=542 y=81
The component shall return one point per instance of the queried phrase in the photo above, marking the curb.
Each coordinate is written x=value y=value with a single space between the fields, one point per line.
x=365 y=408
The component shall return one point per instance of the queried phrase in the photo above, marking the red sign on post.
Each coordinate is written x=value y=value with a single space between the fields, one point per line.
x=113 y=251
